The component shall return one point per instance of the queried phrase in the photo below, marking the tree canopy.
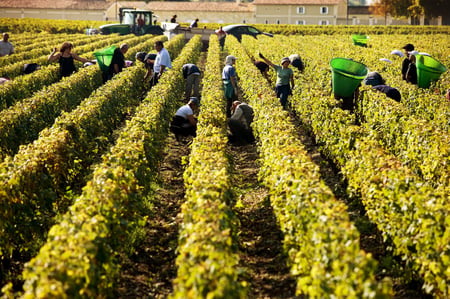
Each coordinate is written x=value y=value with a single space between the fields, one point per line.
x=411 y=8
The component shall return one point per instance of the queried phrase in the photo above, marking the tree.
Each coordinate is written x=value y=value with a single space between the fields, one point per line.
x=397 y=8
x=435 y=8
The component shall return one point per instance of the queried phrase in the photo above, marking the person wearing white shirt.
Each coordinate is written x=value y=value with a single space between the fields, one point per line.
x=6 y=48
x=162 y=62
x=184 y=122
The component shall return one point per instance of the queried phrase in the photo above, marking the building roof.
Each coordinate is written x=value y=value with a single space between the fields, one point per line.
x=296 y=2
x=60 y=4
x=177 y=6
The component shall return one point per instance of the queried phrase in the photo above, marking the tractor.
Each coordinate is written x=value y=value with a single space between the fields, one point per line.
x=136 y=21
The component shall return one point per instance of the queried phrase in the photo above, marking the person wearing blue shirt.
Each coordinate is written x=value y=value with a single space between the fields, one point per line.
x=229 y=82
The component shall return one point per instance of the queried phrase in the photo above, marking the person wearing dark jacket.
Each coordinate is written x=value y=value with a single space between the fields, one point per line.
x=148 y=59
x=117 y=61
x=405 y=64
x=191 y=73
x=375 y=80
x=389 y=91
x=31 y=68
x=411 y=72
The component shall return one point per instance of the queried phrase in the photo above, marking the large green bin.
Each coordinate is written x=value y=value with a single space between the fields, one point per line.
x=104 y=57
x=428 y=70
x=346 y=75
x=360 y=40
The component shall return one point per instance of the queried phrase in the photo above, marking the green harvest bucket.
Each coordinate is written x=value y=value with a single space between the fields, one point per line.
x=104 y=57
x=360 y=40
x=346 y=75
x=428 y=70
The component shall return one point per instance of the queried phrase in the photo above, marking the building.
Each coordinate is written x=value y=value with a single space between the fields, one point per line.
x=94 y=10
x=300 y=12
x=206 y=12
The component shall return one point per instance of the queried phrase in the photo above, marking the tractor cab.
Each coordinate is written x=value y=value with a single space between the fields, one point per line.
x=136 y=21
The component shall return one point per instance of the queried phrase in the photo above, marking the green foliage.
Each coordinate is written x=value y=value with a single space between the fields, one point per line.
x=321 y=242
x=87 y=51
x=207 y=260
x=78 y=258
x=394 y=161
x=403 y=206
x=41 y=25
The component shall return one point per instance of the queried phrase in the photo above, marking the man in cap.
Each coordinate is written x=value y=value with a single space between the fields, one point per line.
x=117 y=61
x=405 y=64
x=285 y=75
x=184 y=123
x=229 y=81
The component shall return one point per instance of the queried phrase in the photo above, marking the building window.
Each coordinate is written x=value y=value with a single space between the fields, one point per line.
x=324 y=22
x=278 y=22
x=300 y=22
x=324 y=10
x=267 y=22
x=243 y=22
x=300 y=9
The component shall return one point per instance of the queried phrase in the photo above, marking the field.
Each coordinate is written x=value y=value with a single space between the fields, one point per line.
x=98 y=199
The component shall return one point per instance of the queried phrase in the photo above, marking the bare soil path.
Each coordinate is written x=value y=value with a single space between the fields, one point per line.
x=260 y=238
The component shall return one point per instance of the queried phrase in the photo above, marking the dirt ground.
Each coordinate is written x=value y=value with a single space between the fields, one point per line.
x=148 y=273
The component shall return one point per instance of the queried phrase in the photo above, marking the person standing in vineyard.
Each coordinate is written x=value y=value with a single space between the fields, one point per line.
x=191 y=73
x=229 y=81
x=284 y=75
x=117 y=61
x=66 y=58
x=407 y=61
x=6 y=48
x=411 y=72
x=162 y=62
x=221 y=35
